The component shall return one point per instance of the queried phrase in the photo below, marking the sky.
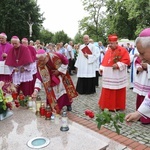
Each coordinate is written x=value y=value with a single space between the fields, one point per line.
x=62 y=15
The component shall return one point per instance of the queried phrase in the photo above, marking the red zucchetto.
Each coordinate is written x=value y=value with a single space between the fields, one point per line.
x=112 y=38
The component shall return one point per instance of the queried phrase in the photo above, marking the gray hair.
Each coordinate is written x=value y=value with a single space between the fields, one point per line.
x=145 y=41
x=85 y=36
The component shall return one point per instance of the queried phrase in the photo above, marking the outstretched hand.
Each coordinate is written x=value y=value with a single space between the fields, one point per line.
x=132 y=117
x=34 y=94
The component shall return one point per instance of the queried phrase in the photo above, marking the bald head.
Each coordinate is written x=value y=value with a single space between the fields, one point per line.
x=86 y=36
x=86 y=39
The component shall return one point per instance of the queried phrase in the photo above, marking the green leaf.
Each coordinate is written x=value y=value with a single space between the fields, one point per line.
x=4 y=107
x=99 y=125
x=122 y=115
x=117 y=129
x=98 y=119
x=119 y=126
x=106 y=117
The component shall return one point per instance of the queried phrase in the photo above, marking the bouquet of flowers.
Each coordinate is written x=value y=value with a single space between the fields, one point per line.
x=117 y=56
x=20 y=100
x=116 y=59
x=5 y=100
x=105 y=117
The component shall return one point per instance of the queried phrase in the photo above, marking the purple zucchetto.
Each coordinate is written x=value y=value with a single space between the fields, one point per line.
x=145 y=33
x=41 y=51
x=3 y=35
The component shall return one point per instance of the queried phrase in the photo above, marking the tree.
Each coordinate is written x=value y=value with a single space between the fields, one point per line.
x=140 y=11
x=46 y=36
x=78 y=38
x=126 y=18
x=93 y=24
x=60 y=36
x=117 y=20
x=15 y=15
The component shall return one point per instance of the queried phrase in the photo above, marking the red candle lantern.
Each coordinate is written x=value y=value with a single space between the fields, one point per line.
x=21 y=99
x=14 y=95
x=42 y=110
x=21 y=96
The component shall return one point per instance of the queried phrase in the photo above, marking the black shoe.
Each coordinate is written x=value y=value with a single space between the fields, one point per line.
x=69 y=108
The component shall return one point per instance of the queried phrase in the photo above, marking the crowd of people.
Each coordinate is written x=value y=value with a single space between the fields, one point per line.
x=30 y=64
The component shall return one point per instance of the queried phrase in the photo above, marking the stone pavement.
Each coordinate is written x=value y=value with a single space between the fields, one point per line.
x=137 y=131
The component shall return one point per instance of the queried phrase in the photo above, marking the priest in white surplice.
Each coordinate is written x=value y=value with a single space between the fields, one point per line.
x=86 y=67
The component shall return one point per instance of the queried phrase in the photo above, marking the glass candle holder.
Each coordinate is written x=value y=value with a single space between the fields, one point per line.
x=48 y=113
x=38 y=105
x=42 y=109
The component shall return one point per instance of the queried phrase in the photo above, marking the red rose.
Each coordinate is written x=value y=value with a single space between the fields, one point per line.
x=91 y=114
x=16 y=102
x=17 y=105
x=87 y=112
x=21 y=97
x=9 y=105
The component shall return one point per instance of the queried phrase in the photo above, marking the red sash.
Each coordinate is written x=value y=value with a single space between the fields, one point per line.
x=69 y=86
x=54 y=63
x=44 y=73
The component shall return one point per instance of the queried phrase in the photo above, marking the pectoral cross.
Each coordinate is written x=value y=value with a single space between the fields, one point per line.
x=17 y=61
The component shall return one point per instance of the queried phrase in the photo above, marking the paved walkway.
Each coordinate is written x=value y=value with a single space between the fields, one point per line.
x=137 y=131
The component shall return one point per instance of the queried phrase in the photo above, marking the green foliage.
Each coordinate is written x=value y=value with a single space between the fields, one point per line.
x=93 y=24
x=15 y=14
x=3 y=106
x=106 y=117
x=78 y=38
x=139 y=10
x=117 y=20
x=24 y=102
x=126 y=18
x=60 y=36
x=46 y=36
